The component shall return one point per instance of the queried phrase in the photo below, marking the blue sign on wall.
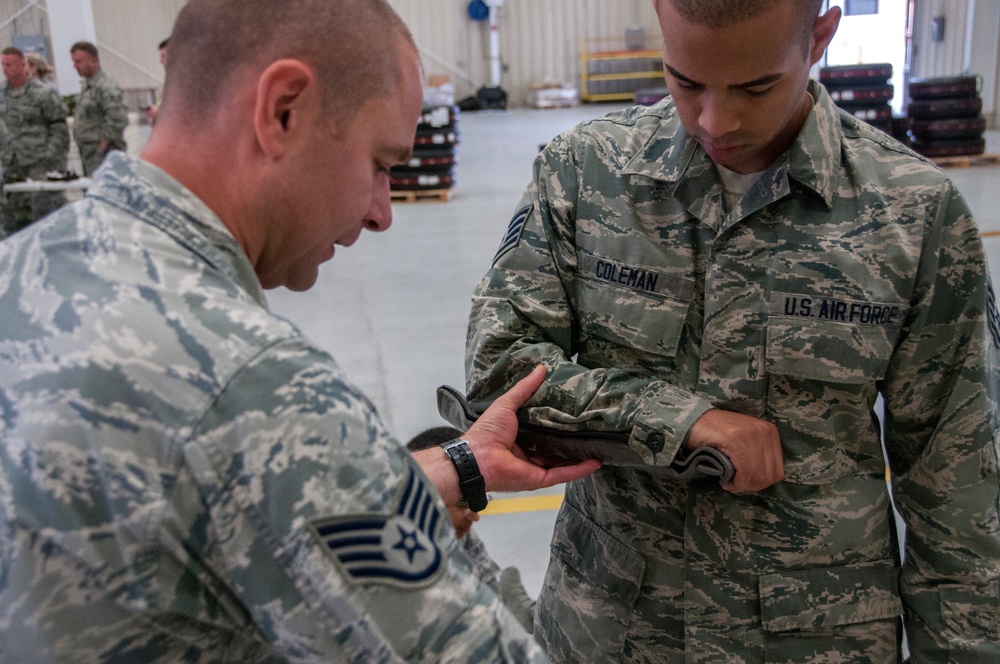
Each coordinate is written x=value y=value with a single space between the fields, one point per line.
x=29 y=44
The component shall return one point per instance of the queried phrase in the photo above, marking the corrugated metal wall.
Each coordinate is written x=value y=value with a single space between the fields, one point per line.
x=539 y=39
x=970 y=44
x=20 y=17
x=944 y=58
x=128 y=32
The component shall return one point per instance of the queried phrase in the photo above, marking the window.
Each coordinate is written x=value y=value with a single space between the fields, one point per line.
x=859 y=7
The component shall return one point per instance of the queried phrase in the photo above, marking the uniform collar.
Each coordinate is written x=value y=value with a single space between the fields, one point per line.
x=665 y=149
x=149 y=193
x=815 y=156
x=17 y=91
x=94 y=78
x=667 y=153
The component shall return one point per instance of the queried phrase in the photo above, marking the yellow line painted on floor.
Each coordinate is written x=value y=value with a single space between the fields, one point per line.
x=526 y=504
x=539 y=503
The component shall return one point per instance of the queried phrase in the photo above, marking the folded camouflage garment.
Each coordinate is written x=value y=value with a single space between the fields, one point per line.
x=563 y=447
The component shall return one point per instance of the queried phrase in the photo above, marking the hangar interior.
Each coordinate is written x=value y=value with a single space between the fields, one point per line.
x=393 y=308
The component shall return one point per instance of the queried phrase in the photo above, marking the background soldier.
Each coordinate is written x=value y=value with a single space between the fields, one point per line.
x=35 y=115
x=746 y=266
x=100 y=115
x=42 y=70
x=153 y=109
x=6 y=220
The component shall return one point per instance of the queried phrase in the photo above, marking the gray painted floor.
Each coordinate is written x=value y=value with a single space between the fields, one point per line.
x=393 y=308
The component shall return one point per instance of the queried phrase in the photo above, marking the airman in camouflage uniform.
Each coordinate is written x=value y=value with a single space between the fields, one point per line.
x=850 y=269
x=6 y=221
x=185 y=477
x=100 y=115
x=35 y=115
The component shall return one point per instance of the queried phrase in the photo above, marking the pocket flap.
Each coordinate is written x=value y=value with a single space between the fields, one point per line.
x=972 y=613
x=829 y=596
x=607 y=564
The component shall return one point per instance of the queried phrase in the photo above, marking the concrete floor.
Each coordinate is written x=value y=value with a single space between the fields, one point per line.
x=393 y=308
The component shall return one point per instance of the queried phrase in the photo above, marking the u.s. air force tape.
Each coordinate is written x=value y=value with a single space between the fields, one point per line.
x=397 y=548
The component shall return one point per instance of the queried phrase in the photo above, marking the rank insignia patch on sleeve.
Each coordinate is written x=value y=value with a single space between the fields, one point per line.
x=397 y=549
x=513 y=236
x=992 y=319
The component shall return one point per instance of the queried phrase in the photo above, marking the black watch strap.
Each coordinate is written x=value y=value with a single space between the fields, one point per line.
x=470 y=480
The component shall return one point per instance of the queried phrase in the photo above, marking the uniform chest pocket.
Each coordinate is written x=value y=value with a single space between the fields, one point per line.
x=831 y=340
x=88 y=110
x=631 y=305
x=822 y=378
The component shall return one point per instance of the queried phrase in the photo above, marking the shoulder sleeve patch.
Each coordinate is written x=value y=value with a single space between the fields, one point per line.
x=991 y=315
x=397 y=548
x=513 y=236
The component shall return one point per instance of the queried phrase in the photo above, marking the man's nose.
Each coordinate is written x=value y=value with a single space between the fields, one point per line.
x=379 y=215
x=718 y=117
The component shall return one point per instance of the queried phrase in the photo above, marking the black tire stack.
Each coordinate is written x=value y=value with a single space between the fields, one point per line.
x=432 y=166
x=863 y=91
x=946 y=117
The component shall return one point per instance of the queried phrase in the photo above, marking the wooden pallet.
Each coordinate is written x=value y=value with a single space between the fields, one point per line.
x=438 y=195
x=966 y=162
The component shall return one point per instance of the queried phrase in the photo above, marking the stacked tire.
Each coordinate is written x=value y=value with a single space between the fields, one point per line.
x=435 y=155
x=863 y=91
x=946 y=117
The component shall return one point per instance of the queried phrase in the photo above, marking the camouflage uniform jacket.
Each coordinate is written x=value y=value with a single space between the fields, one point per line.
x=35 y=115
x=5 y=145
x=851 y=270
x=184 y=477
x=100 y=112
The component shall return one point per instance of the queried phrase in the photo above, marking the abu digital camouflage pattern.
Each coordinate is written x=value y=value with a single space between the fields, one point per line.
x=184 y=477
x=100 y=114
x=35 y=116
x=851 y=269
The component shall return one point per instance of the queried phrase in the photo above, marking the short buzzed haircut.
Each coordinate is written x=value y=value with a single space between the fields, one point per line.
x=86 y=47
x=10 y=50
x=353 y=45
x=720 y=13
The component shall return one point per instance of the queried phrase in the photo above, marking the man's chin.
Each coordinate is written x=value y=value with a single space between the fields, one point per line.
x=302 y=280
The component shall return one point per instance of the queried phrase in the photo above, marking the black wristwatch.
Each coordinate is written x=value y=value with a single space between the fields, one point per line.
x=470 y=480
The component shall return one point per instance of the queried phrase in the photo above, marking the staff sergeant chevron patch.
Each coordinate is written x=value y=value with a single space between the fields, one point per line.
x=513 y=236
x=396 y=549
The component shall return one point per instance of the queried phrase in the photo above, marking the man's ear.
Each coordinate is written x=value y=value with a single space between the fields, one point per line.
x=287 y=100
x=822 y=34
